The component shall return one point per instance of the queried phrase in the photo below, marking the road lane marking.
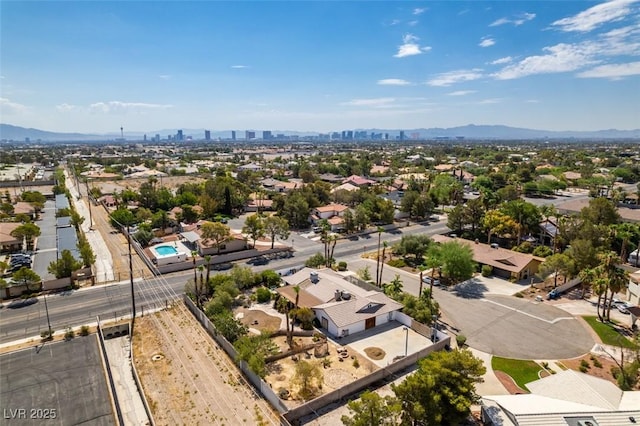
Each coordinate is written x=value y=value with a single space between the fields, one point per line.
x=528 y=314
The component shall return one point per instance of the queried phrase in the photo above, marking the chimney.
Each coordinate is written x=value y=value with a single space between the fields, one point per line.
x=338 y=295
x=313 y=277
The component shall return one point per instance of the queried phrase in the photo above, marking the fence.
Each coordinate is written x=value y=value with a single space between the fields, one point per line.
x=136 y=378
x=255 y=380
x=364 y=382
x=314 y=405
x=107 y=368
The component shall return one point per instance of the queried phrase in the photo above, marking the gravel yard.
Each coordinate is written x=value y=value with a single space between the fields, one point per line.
x=188 y=379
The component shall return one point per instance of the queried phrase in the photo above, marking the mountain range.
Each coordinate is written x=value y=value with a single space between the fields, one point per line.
x=473 y=132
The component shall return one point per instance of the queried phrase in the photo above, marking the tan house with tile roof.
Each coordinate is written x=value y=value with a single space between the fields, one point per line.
x=8 y=242
x=505 y=263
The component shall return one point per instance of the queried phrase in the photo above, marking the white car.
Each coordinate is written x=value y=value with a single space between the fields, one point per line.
x=427 y=280
x=622 y=307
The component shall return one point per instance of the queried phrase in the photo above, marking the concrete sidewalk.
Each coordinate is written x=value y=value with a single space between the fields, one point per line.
x=104 y=263
x=491 y=384
x=118 y=350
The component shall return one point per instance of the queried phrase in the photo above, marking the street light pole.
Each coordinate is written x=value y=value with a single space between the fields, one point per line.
x=406 y=341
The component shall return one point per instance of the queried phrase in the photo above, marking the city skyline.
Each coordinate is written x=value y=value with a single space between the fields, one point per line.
x=319 y=66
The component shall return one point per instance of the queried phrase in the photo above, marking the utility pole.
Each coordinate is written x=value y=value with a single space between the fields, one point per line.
x=46 y=308
x=133 y=295
x=86 y=182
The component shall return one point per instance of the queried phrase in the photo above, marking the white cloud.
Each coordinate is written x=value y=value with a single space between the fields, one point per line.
x=501 y=61
x=559 y=58
x=490 y=101
x=239 y=67
x=413 y=23
x=394 y=22
x=11 y=108
x=487 y=42
x=449 y=78
x=117 y=107
x=461 y=93
x=612 y=71
x=393 y=82
x=65 y=107
x=517 y=20
x=532 y=101
x=373 y=102
x=595 y=16
x=164 y=77
x=419 y=10
x=410 y=47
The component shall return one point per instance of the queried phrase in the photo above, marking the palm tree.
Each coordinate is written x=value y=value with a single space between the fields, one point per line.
x=384 y=250
x=207 y=258
x=282 y=306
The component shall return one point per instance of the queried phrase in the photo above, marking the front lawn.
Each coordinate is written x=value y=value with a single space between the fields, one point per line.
x=521 y=371
x=607 y=333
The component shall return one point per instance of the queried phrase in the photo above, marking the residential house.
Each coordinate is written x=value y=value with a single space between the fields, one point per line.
x=505 y=263
x=193 y=235
x=568 y=398
x=634 y=288
x=251 y=167
x=333 y=213
x=358 y=181
x=342 y=308
x=9 y=243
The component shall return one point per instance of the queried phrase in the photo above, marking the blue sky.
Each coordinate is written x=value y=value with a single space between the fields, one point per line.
x=319 y=65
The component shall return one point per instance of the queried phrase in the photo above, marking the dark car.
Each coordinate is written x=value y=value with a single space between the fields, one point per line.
x=553 y=294
x=259 y=261
x=221 y=266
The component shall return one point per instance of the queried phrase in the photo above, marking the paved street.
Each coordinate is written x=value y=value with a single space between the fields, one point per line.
x=47 y=243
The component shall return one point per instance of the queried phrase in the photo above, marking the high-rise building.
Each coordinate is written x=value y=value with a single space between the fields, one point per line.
x=402 y=135
x=233 y=135
x=248 y=135
x=266 y=135
x=207 y=135
x=179 y=136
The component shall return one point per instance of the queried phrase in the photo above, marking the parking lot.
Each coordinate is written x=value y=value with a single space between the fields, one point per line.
x=56 y=384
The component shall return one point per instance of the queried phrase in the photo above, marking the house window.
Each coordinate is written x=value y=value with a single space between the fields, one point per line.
x=223 y=247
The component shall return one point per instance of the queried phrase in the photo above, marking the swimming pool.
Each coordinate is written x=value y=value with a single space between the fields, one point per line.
x=165 y=250
x=165 y=254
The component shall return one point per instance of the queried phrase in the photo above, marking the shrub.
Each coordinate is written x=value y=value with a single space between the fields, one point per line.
x=597 y=363
x=356 y=363
x=542 y=251
x=584 y=364
x=342 y=266
x=84 y=330
x=263 y=295
x=69 y=334
x=487 y=270
x=46 y=335
x=461 y=339
x=315 y=261
x=397 y=263
x=583 y=369
x=519 y=294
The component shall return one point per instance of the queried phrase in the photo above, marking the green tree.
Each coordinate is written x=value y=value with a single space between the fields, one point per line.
x=307 y=379
x=253 y=349
x=28 y=278
x=86 y=252
x=27 y=231
x=456 y=261
x=497 y=223
x=442 y=389
x=556 y=264
x=216 y=232
x=276 y=226
x=254 y=227
x=600 y=211
x=122 y=217
x=373 y=410
x=414 y=245
x=394 y=287
x=231 y=328
x=65 y=265
x=242 y=276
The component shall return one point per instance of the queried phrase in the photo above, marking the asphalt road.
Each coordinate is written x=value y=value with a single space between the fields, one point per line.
x=75 y=392
x=113 y=301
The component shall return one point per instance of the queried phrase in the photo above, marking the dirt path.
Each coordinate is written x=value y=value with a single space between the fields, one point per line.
x=192 y=381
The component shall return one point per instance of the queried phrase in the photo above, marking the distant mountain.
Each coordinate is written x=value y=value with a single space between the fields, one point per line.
x=471 y=131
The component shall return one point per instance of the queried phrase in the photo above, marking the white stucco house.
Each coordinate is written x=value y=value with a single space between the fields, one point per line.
x=342 y=308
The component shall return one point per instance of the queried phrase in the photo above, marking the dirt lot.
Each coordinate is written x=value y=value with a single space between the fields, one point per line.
x=340 y=371
x=188 y=379
x=171 y=182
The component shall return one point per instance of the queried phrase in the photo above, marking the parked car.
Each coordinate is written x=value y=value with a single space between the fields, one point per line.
x=221 y=266
x=622 y=307
x=553 y=294
x=427 y=280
